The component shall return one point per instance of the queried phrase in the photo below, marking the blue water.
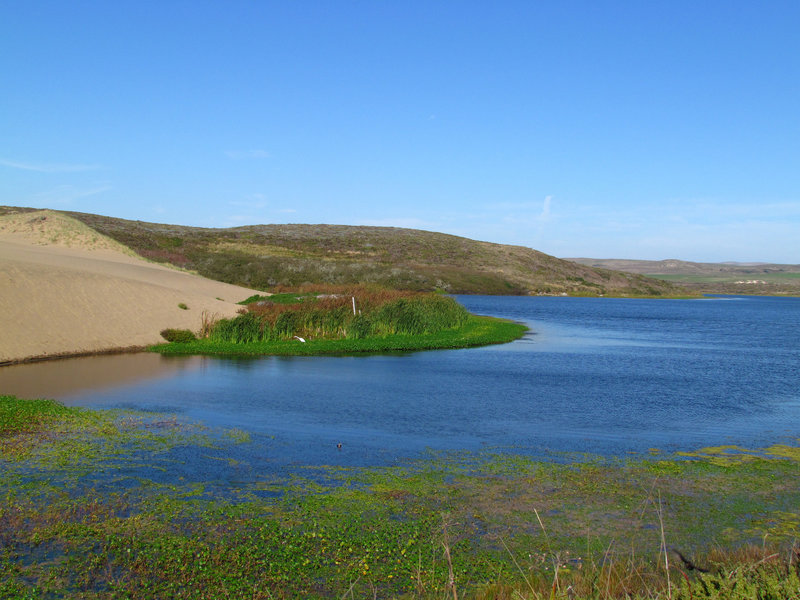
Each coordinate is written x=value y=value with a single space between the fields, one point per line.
x=605 y=376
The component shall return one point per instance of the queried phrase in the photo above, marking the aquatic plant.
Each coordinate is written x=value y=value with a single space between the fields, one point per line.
x=448 y=525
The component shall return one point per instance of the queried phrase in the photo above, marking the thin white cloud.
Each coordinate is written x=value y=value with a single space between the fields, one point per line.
x=246 y=154
x=48 y=167
x=250 y=201
x=545 y=214
x=237 y=220
x=64 y=194
x=406 y=222
x=513 y=205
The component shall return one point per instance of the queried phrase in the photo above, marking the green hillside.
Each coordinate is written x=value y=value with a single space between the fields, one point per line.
x=264 y=256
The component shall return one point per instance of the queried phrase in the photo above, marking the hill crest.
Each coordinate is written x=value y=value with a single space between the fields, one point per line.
x=265 y=256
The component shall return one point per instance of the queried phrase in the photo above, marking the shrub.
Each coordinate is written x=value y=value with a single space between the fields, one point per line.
x=180 y=336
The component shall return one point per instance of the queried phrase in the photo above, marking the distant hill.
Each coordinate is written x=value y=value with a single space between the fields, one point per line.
x=726 y=277
x=263 y=256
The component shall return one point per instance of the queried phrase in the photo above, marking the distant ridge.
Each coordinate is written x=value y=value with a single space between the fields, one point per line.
x=672 y=265
x=724 y=277
x=263 y=256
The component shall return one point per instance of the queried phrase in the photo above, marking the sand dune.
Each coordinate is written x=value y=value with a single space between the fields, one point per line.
x=65 y=289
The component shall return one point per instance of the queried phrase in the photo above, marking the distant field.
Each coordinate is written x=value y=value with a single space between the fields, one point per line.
x=726 y=277
x=721 y=278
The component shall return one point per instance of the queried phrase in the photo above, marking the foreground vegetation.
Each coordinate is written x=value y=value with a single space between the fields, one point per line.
x=343 y=320
x=89 y=509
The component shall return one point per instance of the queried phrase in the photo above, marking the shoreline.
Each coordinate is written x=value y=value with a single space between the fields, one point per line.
x=76 y=354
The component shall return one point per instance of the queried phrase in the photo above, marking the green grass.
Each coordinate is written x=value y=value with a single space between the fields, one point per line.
x=28 y=416
x=281 y=298
x=477 y=331
x=448 y=525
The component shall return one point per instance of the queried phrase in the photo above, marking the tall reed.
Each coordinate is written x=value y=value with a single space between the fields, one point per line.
x=343 y=313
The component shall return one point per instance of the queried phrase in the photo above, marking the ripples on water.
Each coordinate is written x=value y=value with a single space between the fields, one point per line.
x=606 y=376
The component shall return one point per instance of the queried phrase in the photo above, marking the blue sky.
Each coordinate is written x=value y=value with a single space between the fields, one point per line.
x=641 y=129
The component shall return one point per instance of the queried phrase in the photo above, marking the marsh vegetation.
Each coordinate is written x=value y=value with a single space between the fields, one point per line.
x=340 y=320
x=88 y=510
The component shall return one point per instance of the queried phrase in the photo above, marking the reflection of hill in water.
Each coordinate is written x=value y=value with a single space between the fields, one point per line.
x=62 y=378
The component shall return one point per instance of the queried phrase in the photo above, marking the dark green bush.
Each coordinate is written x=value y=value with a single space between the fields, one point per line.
x=180 y=336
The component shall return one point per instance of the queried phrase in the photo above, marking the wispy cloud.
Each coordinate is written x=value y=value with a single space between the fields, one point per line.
x=64 y=194
x=251 y=201
x=514 y=211
x=407 y=222
x=545 y=214
x=48 y=167
x=246 y=154
x=237 y=220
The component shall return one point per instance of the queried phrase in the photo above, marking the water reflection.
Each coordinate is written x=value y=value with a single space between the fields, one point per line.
x=65 y=377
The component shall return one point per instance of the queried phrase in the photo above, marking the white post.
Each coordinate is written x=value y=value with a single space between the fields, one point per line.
x=354 y=306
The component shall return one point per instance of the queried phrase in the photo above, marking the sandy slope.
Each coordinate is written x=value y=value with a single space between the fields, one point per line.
x=66 y=289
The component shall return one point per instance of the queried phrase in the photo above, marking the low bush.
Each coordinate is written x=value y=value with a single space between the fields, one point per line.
x=181 y=336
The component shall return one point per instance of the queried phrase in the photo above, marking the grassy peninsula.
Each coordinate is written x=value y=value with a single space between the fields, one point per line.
x=342 y=320
x=90 y=508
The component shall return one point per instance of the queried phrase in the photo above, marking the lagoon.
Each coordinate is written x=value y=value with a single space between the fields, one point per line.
x=595 y=375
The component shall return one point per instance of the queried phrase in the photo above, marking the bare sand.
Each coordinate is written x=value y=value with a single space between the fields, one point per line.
x=66 y=290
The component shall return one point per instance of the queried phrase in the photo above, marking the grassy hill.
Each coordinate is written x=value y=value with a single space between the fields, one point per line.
x=723 y=278
x=264 y=256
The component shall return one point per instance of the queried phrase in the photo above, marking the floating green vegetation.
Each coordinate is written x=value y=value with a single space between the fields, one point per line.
x=448 y=525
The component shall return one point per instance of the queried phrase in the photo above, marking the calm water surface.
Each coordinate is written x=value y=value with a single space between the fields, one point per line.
x=606 y=376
